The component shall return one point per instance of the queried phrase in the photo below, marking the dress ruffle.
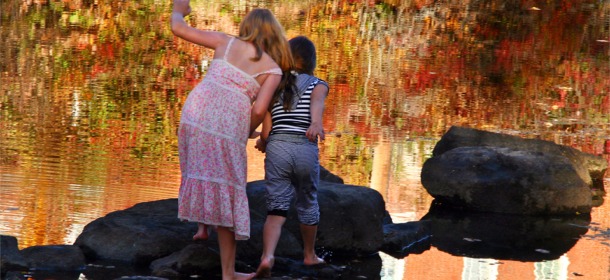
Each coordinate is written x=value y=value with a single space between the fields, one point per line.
x=214 y=203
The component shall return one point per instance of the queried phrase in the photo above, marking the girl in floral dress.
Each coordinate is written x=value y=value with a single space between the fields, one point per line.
x=218 y=116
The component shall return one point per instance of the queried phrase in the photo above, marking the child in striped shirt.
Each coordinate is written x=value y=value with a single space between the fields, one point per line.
x=290 y=140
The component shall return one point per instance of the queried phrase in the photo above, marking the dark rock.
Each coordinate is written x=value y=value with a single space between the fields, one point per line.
x=387 y=219
x=505 y=180
x=43 y=274
x=140 y=234
x=108 y=269
x=351 y=219
x=327 y=176
x=10 y=256
x=55 y=257
x=193 y=259
x=144 y=277
x=590 y=168
x=287 y=267
x=366 y=267
x=351 y=224
x=400 y=240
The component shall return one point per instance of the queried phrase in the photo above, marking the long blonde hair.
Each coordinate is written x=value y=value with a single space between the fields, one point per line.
x=263 y=30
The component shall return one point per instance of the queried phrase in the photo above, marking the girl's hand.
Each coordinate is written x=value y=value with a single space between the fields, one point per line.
x=254 y=134
x=182 y=7
x=314 y=131
x=261 y=145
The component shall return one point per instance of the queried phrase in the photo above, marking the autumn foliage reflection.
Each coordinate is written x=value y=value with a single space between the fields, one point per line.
x=97 y=86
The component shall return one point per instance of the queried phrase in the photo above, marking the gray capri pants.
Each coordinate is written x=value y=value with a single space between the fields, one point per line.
x=292 y=170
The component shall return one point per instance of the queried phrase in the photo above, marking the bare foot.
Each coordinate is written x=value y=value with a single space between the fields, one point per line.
x=264 y=269
x=313 y=261
x=244 y=276
x=202 y=233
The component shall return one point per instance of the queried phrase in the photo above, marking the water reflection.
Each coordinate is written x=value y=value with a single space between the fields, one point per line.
x=91 y=92
x=504 y=237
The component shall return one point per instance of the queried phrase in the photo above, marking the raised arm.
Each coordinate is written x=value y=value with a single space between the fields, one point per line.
x=316 y=110
x=208 y=39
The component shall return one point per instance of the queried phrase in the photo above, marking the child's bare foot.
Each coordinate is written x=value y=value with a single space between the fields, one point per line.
x=313 y=261
x=199 y=236
x=202 y=232
x=264 y=269
x=243 y=276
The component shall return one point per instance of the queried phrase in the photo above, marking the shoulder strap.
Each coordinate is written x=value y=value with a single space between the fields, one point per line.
x=276 y=71
x=228 y=47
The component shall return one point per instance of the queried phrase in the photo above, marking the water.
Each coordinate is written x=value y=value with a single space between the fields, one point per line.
x=91 y=92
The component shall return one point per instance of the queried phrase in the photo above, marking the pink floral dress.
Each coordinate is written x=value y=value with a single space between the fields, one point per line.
x=212 y=139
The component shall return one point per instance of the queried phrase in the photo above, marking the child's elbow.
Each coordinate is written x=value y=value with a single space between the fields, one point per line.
x=175 y=29
x=258 y=114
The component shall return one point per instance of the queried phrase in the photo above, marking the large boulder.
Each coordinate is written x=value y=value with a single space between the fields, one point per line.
x=351 y=223
x=590 y=168
x=351 y=220
x=493 y=172
x=504 y=180
x=139 y=235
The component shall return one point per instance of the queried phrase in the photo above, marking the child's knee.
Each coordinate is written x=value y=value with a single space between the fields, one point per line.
x=278 y=212
x=309 y=218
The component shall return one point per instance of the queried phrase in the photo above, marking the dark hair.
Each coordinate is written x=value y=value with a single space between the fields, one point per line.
x=304 y=54
x=287 y=88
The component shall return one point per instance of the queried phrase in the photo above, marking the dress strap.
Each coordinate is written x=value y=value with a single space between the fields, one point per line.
x=276 y=71
x=228 y=47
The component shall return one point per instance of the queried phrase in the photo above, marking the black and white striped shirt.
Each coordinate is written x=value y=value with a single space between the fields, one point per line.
x=297 y=120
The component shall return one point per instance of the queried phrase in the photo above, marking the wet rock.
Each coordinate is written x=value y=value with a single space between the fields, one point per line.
x=368 y=267
x=351 y=224
x=193 y=259
x=590 y=168
x=291 y=269
x=351 y=219
x=105 y=269
x=141 y=278
x=10 y=257
x=43 y=274
x=55 y=257
x=140 y=234
x=500 y=173
x=504 y=180
x=402 y=239
x=328 y=176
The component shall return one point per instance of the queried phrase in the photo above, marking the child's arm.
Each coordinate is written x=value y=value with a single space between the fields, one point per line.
x=316 y=108
x=261 y=143
x=263 y=99
x=266 y=126
x=208 y=39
